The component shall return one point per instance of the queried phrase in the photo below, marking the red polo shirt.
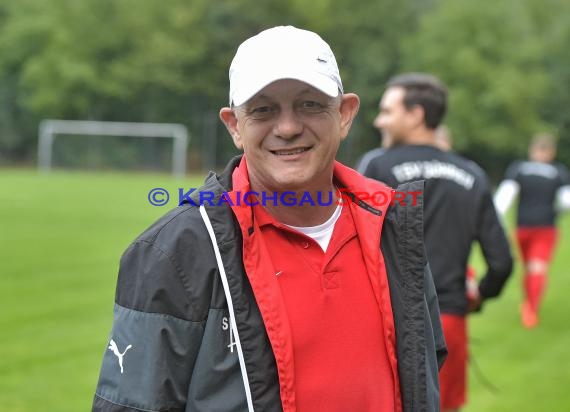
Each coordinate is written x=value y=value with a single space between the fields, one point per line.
x=327 y=314
x=339 y=351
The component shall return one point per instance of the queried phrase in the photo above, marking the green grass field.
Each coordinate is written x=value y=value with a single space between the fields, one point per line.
x=61 y=237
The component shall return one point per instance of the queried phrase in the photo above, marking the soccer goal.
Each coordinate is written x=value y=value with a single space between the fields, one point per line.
x=49 y=129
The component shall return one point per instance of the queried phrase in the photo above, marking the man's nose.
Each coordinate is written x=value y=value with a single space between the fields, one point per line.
x=377 y=123
x=288 y=124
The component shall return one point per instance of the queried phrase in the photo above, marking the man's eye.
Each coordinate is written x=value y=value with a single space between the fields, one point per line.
x=310 y=104
x=261 y=110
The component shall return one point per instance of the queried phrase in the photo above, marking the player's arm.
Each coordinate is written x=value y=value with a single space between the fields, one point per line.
x=508 y=189
x=563 y=198
x=505 y=195
x=563 y=193
x=495 y=247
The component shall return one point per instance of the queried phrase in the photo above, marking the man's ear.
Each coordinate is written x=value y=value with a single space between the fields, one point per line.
x=418 y=115
x=348 y=110
x=229 y=119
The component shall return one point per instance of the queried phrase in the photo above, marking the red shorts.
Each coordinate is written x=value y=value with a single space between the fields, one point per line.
x=537 y=243
x=453 y=374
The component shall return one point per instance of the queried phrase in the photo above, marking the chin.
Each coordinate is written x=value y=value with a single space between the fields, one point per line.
x=291 y=184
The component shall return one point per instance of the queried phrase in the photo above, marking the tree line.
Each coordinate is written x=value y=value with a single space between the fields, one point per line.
x=506 y=63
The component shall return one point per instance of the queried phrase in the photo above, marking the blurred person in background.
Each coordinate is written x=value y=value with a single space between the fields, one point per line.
x=364 y=160
x=543 y=187
x=443 y=138
x=267 y=306
x=444 y=141
x=458 y=210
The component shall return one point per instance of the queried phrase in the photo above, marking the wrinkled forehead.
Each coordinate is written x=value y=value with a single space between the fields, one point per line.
x=289 y=90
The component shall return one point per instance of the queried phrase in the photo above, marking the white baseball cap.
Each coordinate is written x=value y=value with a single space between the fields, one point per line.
x=283 y=52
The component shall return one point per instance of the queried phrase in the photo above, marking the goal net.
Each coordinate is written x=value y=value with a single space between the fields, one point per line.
x=50 y=129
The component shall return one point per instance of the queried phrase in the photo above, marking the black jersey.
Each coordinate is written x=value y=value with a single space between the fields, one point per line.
x=538 y=183
x=458 y=209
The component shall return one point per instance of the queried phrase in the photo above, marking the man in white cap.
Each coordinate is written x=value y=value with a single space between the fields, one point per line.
x=305 y=294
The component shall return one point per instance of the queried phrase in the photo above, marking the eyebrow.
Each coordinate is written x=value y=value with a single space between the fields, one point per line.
x=302 y=92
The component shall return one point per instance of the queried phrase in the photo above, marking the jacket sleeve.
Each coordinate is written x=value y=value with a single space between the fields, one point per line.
x=434 y=317
x=435 y=342
x=495 y=247
x=150 y=355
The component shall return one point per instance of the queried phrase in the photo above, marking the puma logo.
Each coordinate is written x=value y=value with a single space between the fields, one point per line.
x=115 y=349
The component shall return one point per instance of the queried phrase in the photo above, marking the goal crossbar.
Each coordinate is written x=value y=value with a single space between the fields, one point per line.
x=49 y=129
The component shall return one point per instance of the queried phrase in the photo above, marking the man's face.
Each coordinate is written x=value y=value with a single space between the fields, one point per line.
x=393 y=117
x=543 y=154
x=290 y=133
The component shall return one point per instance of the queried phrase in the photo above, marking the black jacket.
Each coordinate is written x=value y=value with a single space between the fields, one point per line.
x=459 y=209
x=181 y=286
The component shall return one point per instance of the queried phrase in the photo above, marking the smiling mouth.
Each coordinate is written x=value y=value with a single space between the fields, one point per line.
x=290 y=152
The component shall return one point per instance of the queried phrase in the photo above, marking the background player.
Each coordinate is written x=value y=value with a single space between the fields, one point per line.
x=543 y=185
x=458 y=209
x=364 y=160
x=444 y=141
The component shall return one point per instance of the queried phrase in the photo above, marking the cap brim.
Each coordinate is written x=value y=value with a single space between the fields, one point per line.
x=319 y=81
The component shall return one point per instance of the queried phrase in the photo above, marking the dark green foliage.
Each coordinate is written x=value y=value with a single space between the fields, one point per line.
x=507 y=64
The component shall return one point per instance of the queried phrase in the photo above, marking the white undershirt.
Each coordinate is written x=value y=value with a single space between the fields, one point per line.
x=323 y=232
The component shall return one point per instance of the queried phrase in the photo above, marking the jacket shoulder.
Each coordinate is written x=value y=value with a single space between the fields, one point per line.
x=165 y=231
x=181 y=224
x=170 y=268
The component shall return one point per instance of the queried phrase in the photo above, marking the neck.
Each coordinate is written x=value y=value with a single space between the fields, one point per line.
x=421 y=136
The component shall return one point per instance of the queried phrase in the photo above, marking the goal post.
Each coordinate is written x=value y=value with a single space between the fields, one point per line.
x=49 y=129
